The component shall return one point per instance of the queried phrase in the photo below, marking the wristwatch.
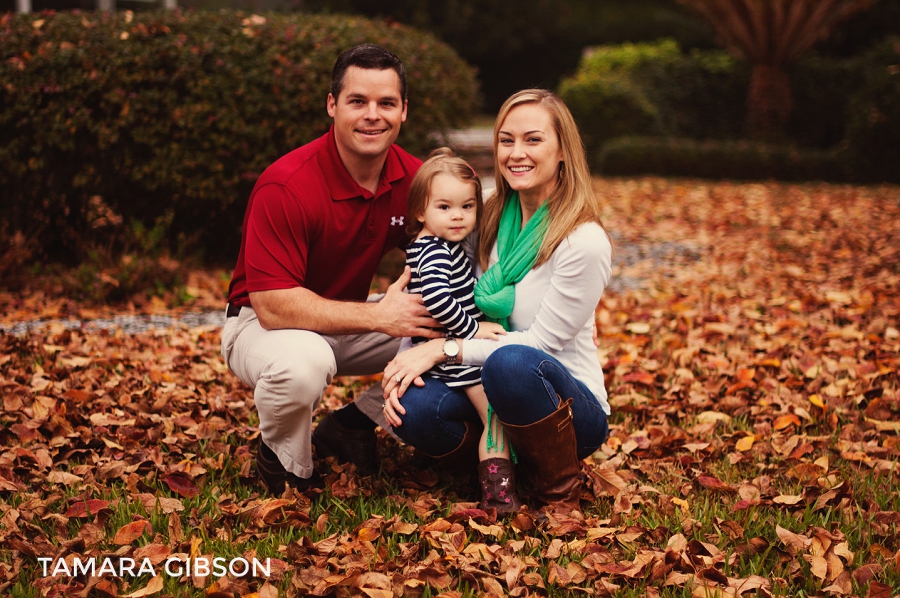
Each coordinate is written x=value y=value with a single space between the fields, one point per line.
x=451 y=351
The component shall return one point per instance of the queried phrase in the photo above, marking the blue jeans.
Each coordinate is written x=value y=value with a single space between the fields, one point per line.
x=523 y=385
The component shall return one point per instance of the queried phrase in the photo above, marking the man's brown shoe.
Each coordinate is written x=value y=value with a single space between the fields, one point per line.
x=331 y=439
x=275 y=476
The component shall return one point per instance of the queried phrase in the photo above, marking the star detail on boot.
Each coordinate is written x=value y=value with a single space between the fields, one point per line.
x=492 y=468
x=502 y=494
x=487 y=496
x=504 y=482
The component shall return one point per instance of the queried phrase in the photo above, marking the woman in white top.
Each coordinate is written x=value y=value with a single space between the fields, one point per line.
x=546 y=260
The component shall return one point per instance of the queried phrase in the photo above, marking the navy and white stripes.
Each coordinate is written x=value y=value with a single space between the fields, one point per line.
x=442 y=274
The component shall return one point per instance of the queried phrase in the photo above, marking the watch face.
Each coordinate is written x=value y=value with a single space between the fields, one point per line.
x=451 y=347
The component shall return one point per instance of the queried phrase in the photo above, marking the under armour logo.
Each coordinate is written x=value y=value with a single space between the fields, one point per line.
x=397 y=220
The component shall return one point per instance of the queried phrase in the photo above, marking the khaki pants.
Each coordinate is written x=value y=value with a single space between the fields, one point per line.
x=289 y=371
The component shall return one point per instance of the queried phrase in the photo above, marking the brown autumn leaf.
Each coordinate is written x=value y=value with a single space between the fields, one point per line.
x=268 y=590
x=368 y=534
x=181 y=484
x=783 y=421
x=402 y=528
x=165 y=504
x=611 y=481
x=86 y=508
x=785 y=499
x=818 y=566
x=156 y=553
x=155 y=585
x=713 y=483
x=749 y=584
x=866 y=573
x=106 y=589
x=130 y=532
x=63 y=477
x=795 y=543
x=488 y=530
x=558 y=576
x=877 y=589
x=513 y=572
x=374 y=585
x=492 y=587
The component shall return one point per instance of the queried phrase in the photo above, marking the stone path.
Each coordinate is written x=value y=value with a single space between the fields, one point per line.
x=475 y=144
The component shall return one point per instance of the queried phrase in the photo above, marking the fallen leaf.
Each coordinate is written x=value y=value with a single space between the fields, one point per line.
x=86 y=508
x=783 y=421
x=786 y=499
x=181 y=484
x=794 y=542
x=638 y=327
x=711 y=417
x=745 y=444
x=130 y=532
x=155 y=585
x=63 y=477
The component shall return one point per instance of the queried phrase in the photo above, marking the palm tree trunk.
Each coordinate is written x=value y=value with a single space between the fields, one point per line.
x=769 y=102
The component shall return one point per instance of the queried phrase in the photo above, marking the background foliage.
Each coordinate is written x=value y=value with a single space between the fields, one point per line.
x=516 y=45
x=519 y=45
x=167 y=119
x=844 y=125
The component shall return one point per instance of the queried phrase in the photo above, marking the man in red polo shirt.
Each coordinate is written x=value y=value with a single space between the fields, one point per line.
x=318 y=222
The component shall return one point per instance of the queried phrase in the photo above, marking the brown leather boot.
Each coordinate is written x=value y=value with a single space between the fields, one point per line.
x=498 y=486
x=275 y=476
x=548 y=452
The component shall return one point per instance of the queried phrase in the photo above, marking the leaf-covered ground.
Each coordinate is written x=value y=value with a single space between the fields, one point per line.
x=752 y=371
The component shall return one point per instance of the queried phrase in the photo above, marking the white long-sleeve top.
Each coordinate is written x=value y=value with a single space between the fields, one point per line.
x=555 y=305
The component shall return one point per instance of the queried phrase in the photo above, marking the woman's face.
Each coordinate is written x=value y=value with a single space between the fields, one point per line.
x=528 y=151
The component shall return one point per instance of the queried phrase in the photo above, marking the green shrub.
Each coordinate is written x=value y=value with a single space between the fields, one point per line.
x=874 y=126
x=655 y=89
x=842 y=107
x=604 y=97
x=628 y=156
x=700 y=94
x=170 y=117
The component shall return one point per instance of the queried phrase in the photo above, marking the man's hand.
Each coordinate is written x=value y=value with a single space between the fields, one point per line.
x=490 y=330
x=401 y=314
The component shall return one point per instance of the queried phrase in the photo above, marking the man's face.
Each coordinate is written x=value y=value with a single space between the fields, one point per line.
x=367 y=113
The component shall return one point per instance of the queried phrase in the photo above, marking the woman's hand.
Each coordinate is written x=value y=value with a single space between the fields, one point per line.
x=405 y=369
x=391 y=409
x=490 y=330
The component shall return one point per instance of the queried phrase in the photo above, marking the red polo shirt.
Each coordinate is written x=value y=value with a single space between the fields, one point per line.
x=309 y=224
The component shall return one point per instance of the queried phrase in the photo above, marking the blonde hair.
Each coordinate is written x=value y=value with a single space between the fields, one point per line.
x=571 y=203
x=441 y=160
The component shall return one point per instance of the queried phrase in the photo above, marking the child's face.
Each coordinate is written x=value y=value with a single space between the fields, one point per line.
x=451 y=209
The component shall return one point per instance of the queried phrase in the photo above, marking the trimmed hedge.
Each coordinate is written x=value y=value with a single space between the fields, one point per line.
x=846 y=107
x=628 y=156
x=655 y=89
x=170 y=117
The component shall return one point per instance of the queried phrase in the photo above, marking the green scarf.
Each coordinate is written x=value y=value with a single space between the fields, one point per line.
x=517 y=248
x=495 y=293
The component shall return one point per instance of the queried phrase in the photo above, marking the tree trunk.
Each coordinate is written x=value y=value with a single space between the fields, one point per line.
x=769 y=102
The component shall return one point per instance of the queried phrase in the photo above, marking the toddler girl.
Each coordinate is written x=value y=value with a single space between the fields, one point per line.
x=444 y=207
